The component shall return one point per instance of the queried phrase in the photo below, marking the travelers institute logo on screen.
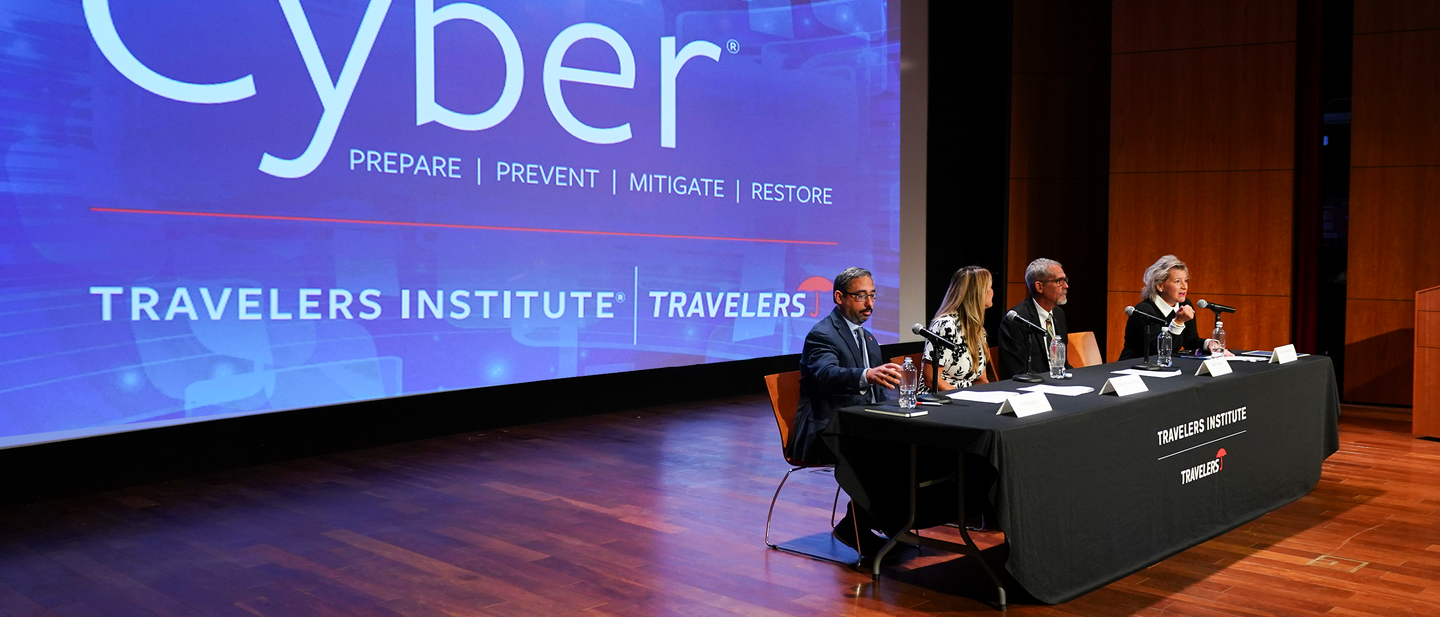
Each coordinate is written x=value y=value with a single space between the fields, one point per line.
x=141 y=303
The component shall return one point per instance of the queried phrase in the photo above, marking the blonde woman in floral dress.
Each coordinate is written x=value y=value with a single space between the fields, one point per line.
x=961 y=319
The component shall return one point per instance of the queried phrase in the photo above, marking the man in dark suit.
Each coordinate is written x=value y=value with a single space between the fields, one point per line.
x=1048 y=287
x=835 y=369
x=841 y=366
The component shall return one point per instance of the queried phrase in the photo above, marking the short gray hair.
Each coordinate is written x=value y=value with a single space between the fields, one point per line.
x=1038 y=270
x=1158 y=272
x=842 y=281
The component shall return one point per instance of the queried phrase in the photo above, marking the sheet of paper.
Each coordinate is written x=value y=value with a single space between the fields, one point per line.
x=982 y=397
x=1247 y=359
x=1060 y=390
x=1136 y=371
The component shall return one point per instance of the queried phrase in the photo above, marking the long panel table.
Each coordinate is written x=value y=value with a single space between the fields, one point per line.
x=1101 y=487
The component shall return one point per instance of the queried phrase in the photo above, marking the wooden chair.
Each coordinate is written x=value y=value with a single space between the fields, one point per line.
x=784 y=400
x=1083 y=350
x=914 y=357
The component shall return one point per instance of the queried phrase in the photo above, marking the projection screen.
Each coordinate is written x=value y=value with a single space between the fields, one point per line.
x=214 y=209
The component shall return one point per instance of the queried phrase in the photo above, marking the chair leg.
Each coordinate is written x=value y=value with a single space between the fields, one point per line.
x=772 y=506
x=787 y=549
x=855 y=523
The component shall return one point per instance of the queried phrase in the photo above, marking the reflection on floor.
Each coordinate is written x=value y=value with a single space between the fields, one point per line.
x=659 y=512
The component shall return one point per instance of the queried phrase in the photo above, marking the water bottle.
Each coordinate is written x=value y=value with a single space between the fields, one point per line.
x=909 y=380
x=1057 y=359
x=1164 y=348
x=1217 y=339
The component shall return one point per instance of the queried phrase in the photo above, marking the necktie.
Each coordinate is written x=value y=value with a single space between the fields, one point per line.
x=865 y=360
x=1050 y=328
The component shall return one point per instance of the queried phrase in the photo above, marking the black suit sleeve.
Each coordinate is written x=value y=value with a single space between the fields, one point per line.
x=1135 y=338
x=1012 y=349
x=822 y=361
x=1187 y=341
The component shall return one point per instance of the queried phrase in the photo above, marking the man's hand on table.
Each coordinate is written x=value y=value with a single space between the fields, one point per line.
x=887 y=375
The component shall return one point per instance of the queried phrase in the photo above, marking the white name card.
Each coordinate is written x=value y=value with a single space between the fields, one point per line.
x=1023 y=405
x=1124 y=385
x=1213 y=367
x=1283 y=354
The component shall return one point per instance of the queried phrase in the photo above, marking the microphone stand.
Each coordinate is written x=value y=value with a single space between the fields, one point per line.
x=1147 y=365
x=926 y=396
x=1029 y=375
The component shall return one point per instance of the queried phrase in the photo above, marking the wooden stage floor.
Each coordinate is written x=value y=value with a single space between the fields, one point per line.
x=657 y=512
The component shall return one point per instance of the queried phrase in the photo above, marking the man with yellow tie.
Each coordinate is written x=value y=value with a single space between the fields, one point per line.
x=1048 y=286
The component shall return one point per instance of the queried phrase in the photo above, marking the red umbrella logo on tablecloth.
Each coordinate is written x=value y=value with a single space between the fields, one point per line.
x=816 y=284
x=1221 y=455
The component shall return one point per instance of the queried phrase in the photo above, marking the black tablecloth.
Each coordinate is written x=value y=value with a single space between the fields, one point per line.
x=1102 y=487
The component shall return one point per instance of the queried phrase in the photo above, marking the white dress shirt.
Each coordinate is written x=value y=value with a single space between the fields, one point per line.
x=857 y=333
x=1176 y=328
x=1165 y=309
x=1047 y=320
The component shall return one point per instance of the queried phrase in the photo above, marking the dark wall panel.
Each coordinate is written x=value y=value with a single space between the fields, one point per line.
x=1150 y=25
x=1394 y=180
x=1202 y=158
x=1060 y=98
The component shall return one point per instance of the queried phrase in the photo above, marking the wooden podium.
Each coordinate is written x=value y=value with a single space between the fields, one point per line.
x=1425 y=420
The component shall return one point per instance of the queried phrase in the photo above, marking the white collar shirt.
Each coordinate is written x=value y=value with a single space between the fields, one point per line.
x=1045 y=317
x=857 y=334
x=1166 y=309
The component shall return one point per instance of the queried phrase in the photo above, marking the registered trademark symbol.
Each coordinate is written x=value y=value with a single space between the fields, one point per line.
x=620 y=297
x=733 y=46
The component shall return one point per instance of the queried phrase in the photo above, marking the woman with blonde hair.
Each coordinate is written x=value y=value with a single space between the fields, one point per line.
x=1167 y=285
x=961 y=320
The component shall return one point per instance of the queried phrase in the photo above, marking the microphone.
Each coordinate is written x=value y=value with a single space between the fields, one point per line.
x=1015 y=318
x=935 y=339
x=1147 y=365
x=1130 y=310
x=1218 y=308
x=1029 y=375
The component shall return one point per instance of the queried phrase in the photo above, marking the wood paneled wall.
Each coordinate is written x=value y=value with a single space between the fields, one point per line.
x=1060 y=97
x=1202 y=155
x=1394 y=180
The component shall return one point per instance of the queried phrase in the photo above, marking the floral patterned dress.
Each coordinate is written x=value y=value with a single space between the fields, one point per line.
x=956 y=368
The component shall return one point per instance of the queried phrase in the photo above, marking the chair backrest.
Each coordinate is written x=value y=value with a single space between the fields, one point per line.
x=914 y=357
x=784 y=399
x=991 y=359
x=1083 y=350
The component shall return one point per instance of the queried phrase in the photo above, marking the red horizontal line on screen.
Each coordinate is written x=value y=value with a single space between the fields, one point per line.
x=312 y=219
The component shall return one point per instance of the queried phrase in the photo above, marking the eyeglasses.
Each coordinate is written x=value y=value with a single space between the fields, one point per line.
x=1062 y=281
x=862 y=296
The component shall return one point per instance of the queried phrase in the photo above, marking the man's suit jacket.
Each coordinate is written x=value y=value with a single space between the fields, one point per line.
x=1135 y=339
x=1015 y=337
x=831 y=371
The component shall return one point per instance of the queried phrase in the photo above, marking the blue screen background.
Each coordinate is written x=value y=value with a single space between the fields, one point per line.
x=114 y=195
